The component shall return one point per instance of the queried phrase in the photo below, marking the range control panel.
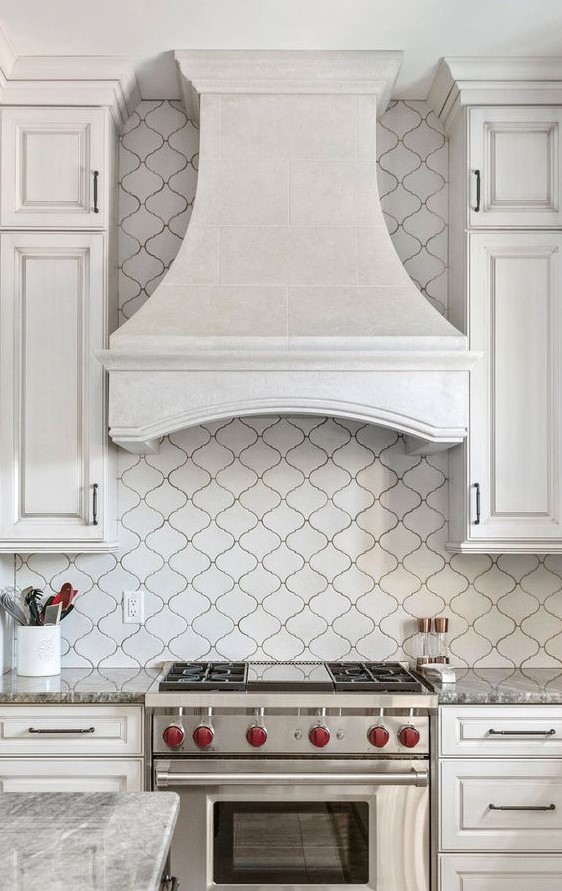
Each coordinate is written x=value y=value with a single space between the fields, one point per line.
x=289 y=734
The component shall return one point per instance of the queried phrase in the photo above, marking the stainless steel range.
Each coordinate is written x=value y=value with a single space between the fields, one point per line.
x=295 y=775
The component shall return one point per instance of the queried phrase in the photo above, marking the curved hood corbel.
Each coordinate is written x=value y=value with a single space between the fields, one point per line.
x=287 y=296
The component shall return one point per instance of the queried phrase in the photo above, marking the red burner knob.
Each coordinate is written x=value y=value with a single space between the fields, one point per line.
x=409 y=736
x=173 y=736
x=256 y=736
x=203 y=736
x=378 y=736
x=319 y=736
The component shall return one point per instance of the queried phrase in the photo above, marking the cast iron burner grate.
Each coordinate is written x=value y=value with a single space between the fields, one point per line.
x=206 y=676
x=382 y=677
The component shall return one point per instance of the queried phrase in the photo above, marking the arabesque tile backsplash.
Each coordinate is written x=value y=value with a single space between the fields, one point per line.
x=292 y=537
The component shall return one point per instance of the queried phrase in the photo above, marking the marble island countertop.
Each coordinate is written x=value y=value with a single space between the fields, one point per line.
x=80 y=685
x=85 y=842
x=503 y=686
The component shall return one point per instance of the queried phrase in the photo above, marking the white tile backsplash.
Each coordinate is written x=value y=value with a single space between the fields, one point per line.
x=292 y=537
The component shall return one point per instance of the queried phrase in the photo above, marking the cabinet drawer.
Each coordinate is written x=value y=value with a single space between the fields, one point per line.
x=53 y=171
x=499 y=731
x=71 y=730
x=501 y=805
x=519 y=872
x=70 y=775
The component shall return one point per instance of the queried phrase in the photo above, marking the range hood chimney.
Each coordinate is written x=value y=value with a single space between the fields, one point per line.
x=287 y=295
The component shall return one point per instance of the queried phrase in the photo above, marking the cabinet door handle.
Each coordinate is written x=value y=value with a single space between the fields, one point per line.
x=96 y=177
x=521 y=807
x=63 y=730
x=476 y=207
x=550 y=732
x=477 y=488
x=95 y=488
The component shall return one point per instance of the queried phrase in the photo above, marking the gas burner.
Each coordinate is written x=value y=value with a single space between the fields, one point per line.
x=382 y=677
x=206 y=675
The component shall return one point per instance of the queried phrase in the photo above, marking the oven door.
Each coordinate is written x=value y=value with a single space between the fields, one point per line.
x=293 y=825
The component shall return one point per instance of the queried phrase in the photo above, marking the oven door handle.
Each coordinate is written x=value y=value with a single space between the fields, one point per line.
x=164 y=779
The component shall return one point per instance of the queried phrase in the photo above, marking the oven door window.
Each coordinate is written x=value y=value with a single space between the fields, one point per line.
x=304 y=843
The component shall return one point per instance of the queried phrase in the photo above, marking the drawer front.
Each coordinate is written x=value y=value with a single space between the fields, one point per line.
x=71 y=730
x=70 y=775
x=489 y=872
x=501 y=805
x=501 y=730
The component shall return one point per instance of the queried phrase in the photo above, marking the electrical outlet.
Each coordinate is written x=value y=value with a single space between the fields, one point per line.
x=133 y=607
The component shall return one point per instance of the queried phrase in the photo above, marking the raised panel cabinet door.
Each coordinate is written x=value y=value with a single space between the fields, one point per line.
x=514 y=167
x=492 y=872
x=53 y=437
x=70 y=775
x=53 y=168
x=514 y=496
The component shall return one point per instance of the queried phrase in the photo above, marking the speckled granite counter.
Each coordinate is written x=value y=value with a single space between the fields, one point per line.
x=87 y=842
x=503 y=686
x=80 y=685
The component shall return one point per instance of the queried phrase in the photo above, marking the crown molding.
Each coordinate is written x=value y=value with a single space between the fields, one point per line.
x=286 y=72
x=107 y=81
x=511 y=80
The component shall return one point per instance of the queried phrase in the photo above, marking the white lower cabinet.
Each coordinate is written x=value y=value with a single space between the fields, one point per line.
x=70 y=775
x=71 y=748
x=499 y=798
x=513 y=872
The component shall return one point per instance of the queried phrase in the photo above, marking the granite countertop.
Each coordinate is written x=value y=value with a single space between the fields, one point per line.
x=492 y=686
x=125 y=685
x=85 y=841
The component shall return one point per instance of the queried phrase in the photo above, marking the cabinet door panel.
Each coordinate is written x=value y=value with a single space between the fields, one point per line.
x=517 y=154
x=53 y=437
x=49 y=156
x=70 y=775
x=515 y=392
x=490 y=872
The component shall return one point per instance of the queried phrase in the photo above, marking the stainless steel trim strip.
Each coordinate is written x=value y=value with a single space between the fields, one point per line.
x=165 y=779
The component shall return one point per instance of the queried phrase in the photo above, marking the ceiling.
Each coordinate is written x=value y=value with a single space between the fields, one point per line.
x=149 y=30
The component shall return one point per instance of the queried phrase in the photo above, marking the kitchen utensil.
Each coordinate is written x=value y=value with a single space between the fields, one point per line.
x=32 y=604
x=48 y=602
x=12 y=603
x=65 y=612
x=53 y=614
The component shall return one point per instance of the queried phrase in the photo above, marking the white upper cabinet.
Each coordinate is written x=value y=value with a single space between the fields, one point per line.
x=515 y=456
x=514 y=161
x=55 y=470
x=53 y=170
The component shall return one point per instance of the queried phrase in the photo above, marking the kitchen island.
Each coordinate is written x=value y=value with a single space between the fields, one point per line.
x=88 y=842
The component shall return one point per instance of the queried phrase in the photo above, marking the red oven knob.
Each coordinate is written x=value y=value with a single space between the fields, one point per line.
x=256 y=736
x=173 y=736
x=319 y=736
x=409 y=736
x=203 y=736
x=378 y=736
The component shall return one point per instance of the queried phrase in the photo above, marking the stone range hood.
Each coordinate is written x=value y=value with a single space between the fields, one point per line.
x=287 y=296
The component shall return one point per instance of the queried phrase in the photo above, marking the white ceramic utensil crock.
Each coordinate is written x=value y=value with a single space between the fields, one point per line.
x=38 y=650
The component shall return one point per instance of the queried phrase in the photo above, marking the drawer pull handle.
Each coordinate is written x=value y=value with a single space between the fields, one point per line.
x=550 y=732
x=520 y=807
x=64 y=730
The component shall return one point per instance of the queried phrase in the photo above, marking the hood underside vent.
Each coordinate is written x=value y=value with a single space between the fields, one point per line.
x=287 y=296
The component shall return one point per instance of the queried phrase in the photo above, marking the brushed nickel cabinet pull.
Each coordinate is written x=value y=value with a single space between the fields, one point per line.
x=522 y=807
x=476 y=207
x=63 y=730
x=96 y=177
x=550 y=732
x=95 y=488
